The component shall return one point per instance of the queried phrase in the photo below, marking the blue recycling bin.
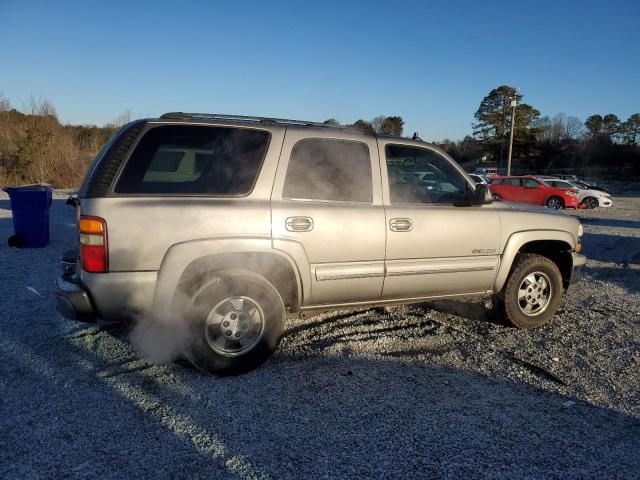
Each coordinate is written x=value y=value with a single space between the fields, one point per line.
x=30 y=206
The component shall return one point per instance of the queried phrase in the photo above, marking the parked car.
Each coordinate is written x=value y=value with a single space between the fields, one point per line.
x=587 y=198
x=578 y=183
x=591 y=186
x=227 y=224
x=563 y=176
x=433 y=182
x=478 y=178
x=527 y=189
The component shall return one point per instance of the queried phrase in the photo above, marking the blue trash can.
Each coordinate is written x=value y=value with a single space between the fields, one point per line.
x=30 y=206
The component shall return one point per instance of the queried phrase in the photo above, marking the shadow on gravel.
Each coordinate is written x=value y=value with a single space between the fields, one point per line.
x=312 y=415
x=473 y=311
x=627 y=278
x=610 y=248
x=610 y=222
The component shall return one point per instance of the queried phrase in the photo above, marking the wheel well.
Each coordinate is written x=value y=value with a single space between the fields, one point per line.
x=274 y=268
x=557 y=251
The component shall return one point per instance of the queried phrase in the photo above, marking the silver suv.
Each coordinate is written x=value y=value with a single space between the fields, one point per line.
x=231 y=223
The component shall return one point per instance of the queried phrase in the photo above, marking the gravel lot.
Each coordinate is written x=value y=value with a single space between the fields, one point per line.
x=439 y=389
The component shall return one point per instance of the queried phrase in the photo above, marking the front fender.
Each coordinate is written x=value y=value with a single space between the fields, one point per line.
x=517 y=240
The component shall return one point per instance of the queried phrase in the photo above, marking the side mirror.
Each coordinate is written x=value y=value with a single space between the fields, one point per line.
x=483 y=195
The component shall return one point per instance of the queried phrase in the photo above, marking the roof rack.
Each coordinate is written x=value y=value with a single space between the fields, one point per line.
x=272 y=121
x=262 y=120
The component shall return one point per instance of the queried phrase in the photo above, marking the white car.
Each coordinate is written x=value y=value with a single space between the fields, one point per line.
x=587 y=198
x=477 y=178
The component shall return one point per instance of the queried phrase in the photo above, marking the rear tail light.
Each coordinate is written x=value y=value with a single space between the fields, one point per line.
x=93 y=244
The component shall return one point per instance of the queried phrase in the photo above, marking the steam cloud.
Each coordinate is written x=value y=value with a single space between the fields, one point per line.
x=160 y=337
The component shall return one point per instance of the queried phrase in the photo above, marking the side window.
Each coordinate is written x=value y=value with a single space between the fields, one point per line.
x=420 y=175
x=529 y=183
x=188 y=159
x=513 y=182
x=329 y=169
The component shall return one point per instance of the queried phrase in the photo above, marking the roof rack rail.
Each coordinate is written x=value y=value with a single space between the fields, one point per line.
x=262 y=120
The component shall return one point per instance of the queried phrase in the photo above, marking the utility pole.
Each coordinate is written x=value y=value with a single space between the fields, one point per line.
x=513 y=120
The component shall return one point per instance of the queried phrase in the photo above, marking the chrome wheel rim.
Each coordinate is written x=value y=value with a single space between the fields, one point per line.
x=534 y=293
x=555 y=204
x=234 y=326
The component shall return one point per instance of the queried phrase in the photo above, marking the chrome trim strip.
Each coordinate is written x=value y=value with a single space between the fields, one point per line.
x=348 y=271
x=443 y=270
x=397 y=268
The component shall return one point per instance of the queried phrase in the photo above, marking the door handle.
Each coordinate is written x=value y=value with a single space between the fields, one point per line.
x=299 y=224
x=401 y=225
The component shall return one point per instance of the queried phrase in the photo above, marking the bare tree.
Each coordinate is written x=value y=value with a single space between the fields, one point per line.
x=574 y=128
x=121 y=120
x=5 y=106
x=377 y=123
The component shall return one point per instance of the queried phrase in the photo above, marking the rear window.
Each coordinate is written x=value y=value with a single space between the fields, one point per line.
x=187 y=159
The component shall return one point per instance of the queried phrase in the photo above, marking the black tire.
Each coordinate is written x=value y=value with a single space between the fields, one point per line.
x=590 y=202
x=555 y=203
x=210 y=348
x=513 y=305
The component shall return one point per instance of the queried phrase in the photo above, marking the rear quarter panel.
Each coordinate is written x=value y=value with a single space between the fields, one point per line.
x=142 y=228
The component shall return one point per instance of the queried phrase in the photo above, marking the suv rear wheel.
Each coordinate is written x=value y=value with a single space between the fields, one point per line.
x=533 y=291
x=237 y=321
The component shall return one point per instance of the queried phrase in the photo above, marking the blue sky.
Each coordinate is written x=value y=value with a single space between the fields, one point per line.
x=430 y=62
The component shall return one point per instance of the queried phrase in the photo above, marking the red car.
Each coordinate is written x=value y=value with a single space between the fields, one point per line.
x=532 y=190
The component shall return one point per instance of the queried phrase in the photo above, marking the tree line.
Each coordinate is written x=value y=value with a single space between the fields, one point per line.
x=383 y=125
x=36 y=148
x=601 y=145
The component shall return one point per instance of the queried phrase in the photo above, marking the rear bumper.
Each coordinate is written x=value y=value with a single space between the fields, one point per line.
x=578 y=267
x=72 y=301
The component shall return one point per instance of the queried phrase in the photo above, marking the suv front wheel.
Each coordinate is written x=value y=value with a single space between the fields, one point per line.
x=533 y=291
x=236 y=320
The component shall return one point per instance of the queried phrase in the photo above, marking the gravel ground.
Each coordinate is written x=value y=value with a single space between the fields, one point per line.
x=436 y=390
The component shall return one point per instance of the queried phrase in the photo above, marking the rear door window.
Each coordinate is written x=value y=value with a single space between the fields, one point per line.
x=329 y=169
x=188 y=159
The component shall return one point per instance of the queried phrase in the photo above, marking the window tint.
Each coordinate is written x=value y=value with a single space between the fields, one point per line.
x=514 y=182
x=529 y=183
x=328 y=169
x=419 y=175
x=185 y=159
x=166 y=161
